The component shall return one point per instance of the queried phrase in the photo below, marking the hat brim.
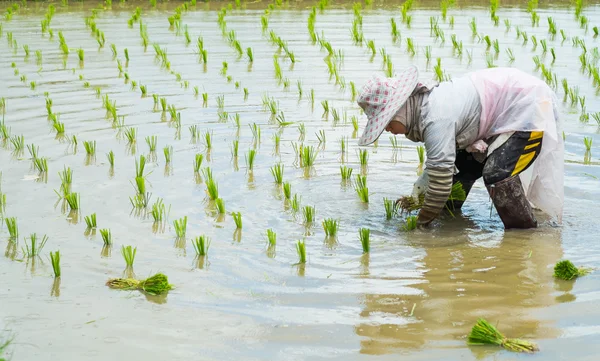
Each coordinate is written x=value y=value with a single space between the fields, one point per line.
x=376 y=124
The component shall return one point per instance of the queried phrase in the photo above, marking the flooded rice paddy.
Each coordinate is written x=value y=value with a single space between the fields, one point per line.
x=414 y=295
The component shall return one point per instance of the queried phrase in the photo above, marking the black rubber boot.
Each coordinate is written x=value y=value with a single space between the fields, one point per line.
x=512 y=205
x=457 y=205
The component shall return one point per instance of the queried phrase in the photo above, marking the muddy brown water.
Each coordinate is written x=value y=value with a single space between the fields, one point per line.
x=415 y=296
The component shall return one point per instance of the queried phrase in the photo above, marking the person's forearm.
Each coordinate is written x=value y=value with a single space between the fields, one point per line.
x=440 y=186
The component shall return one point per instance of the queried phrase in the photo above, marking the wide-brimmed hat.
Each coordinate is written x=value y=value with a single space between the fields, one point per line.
x=381 y=98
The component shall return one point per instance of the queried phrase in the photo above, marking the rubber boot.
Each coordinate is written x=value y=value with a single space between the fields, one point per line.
x=512 y=205
x=457 y=205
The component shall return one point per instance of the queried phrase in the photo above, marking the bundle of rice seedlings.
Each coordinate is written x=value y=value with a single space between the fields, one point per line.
x=180 y=226
x=346 y=172
x=237 y=218
x=201 y=245
x=271 y=237
x=287 y=190
x=390 y=208
x=33 y=247
x=331 y=227
x=13 y=229
x=55 y=259
x=301 y=250
x=250 y=159
x=295 y=204
x=566 y=270
x=484 y=333
x=410 y=223
x=364 y=235
x=90 y=221
x=309 y=214
x=277 y=172
x=107 y=237
x=155 y=285
x=128 y=255
x=220 y=205
x=212 y=188
x=73 y=200
x=198 y=159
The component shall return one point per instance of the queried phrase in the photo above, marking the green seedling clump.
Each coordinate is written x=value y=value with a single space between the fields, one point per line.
x=566 y=270
x=201 y=245
x=55 y=260
x=128 y=253
x=107 y=237
x=180 y=226
x=309 y=214
x=73 y=200
x=220 y=205
x=390 y=208
x=155 y=285
x=237 y=218
x=287 y=190
x=301 y=250
x=277 y=172
x=411 y=223
x=34 y=246
x=483 y=333
x=271 y=238
x=364 y=235
x=331 y=227
x=198 y=159
x=90 y=221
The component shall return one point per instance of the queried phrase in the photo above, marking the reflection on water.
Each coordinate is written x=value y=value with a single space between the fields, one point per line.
x=461 y=282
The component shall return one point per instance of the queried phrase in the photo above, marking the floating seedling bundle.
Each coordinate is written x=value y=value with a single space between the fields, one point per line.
x=483 y=333
x=155 y=285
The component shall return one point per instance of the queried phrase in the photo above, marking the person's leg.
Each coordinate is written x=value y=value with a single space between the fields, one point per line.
x=501 y=177
x=469 y=170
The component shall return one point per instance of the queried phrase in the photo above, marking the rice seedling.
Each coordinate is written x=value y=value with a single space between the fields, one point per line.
x=111 y=158
x=277 y=172
x=90 y=147
x=33 y=150
x=250 y=156
x=360 y=185
x=201 y=245
x=18 y=143
x=302 y=130
x=80 y=55
x=321 y=136
x=55 y=260
x=566 y=270
x=483 y=333
x=34 y=246
x=212 y=188
x=12 y=227
x=198 y=159
x=208 y=139
x=421 y=154
x=325 y=105
x=410 y=46
x=107 y=238
x=309 y=213
x=90 y=221
x=287 y=190
x=355 y=123
x=41 y=164
x=301 y=250
x=364 y=235
x=330 y=226
x=73 y=200
x=131 y=135
x=168 y=150
x=363 y=156
x=295 y=203
x=587 y=141
x=390 y=208
x=4 y=131
x=410 y=224
x=151 y=141
x=308 y=155
x=128 y=254
x=255 y=128
x=155 y=285
x=346 y=172
x=235 y=145
x=158 y=212
x=220 y=204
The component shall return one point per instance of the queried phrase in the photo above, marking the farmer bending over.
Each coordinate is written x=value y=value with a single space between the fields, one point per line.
x=500 y=124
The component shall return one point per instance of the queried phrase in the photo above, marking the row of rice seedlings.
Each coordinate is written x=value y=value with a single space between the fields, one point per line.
x=34 y=246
